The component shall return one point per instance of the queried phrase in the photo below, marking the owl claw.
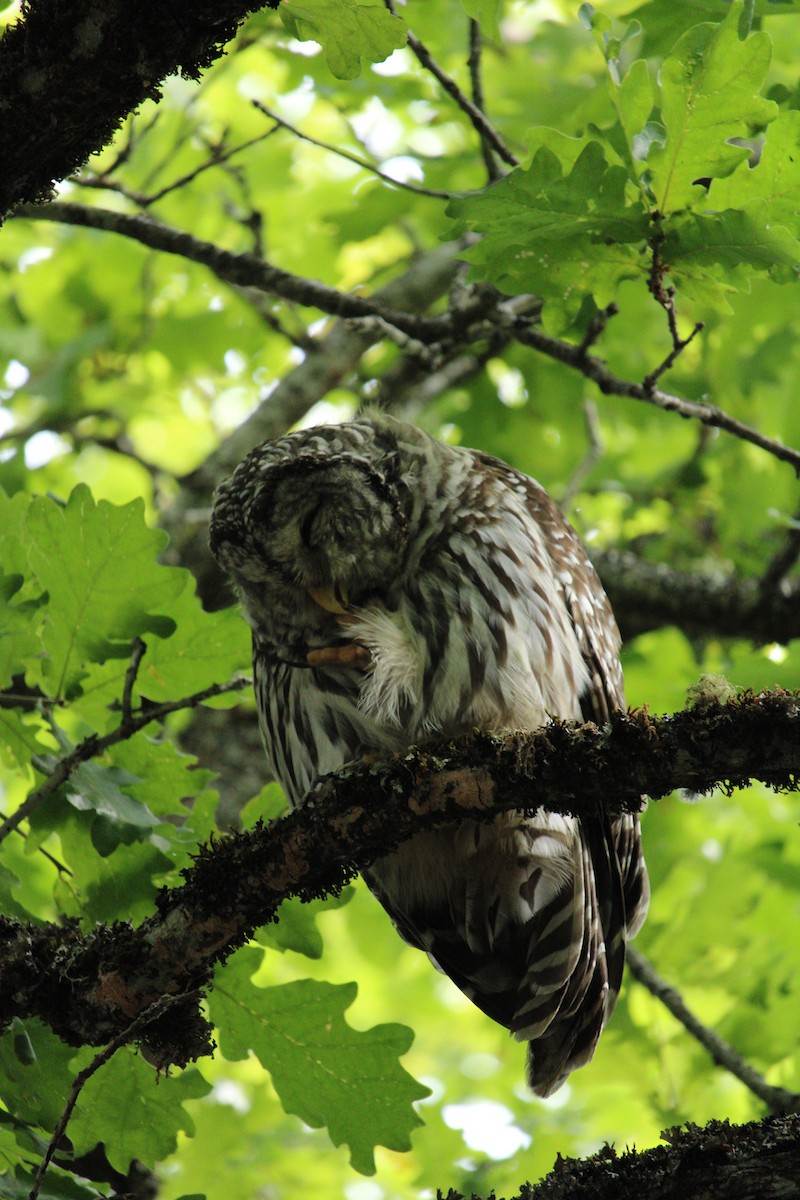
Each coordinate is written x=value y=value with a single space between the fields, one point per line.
x=348 y=655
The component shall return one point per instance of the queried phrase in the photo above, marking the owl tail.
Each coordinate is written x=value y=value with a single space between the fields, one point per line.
x=572 y=1016
x=569 y=1043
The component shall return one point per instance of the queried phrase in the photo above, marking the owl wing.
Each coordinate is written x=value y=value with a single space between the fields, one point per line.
x=595 y=628
x=613 y=872
x=528 y=915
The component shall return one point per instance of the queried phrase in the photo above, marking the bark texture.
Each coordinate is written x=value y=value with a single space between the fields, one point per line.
x=71 y=73
x=757 y=1161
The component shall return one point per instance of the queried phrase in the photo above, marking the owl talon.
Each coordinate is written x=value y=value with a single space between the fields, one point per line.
x=339 y=656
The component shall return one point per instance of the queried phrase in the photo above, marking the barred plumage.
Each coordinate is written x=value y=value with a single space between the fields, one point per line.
x=400 y=590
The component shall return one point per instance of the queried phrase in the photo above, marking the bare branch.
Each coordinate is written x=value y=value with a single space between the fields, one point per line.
x=612 y=385
x=350 y=156
x=155 y=1010
x=463 y=326
x=665 y=296
x=482 y=125
x=474 y=65
x=776 y=1098
x=218 y=158
x=137 y=654
x=242 y=269
x=595 y=327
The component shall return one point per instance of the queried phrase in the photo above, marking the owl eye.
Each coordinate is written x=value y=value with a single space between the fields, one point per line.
x=306 y=526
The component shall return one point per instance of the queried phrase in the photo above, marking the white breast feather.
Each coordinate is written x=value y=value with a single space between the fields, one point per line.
x=394 y=678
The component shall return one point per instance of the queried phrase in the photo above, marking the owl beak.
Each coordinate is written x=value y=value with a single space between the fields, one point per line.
x=332 y=599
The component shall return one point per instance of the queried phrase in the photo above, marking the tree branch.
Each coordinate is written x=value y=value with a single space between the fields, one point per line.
x=612 y=385
x=241 y=270
x=649 y=595
x=757 y=1161
x=115 y=973
x=94 y=745
x=356 y=159
x=493 y=172
x=82 y=1078
x=70 y=73
x=483 y=126
x=776 y=1098
x=480 y=318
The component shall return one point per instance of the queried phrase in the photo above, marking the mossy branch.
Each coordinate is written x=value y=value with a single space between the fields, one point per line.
x=90 y=986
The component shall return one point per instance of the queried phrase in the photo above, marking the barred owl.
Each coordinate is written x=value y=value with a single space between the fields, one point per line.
x=401 y=590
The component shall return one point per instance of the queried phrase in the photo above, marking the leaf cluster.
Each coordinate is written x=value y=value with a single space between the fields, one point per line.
x=667 y=191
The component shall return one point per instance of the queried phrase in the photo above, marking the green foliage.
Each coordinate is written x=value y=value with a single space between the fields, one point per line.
x=322 y=1069
x=149 y=1111
x=709 y=88
x=562 y=236
x=571 y=234
x=660 y=149
x=347 y=31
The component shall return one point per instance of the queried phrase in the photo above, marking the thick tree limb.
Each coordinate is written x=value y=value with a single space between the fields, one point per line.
x=757 y=1161
x=70 y=73
x=89 y=986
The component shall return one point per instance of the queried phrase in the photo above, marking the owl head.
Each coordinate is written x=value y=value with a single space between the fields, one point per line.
x=310 y=526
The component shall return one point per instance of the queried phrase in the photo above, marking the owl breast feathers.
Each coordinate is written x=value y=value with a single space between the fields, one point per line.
x=401 y=590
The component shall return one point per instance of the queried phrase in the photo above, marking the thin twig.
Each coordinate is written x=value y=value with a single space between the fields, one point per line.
x=137 y=654
x=776 y=1098
x=82 y=1078
x=136 y=131
x=665 y=296
x=612 y=385
x=187 y=131
x=592 y=456
x=280 y=123
x=482 y=125
x=260 y=303
x=596 y=327
x=679 y=345
x=216 y=160
x=104 y=183
x=93 y=745
x=62 y=868
x=474 y=63
x=783 y=561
